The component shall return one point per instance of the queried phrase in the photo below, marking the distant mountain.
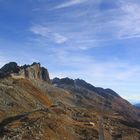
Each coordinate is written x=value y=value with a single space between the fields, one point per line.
x=34 y=107
x=97 y=97
x=67 y=82
x=137 y=105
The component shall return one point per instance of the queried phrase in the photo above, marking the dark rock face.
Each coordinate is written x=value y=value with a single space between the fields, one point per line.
x=81 y=84
x=9 y=68
x=63 y=81
x=45 y=74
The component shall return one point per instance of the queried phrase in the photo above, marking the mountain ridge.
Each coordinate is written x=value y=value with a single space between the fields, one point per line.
x=80 y=82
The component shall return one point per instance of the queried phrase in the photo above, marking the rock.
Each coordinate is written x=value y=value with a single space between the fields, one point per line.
x=32 y=72
x=35 y=71
x=65 y=81
x=9 y=68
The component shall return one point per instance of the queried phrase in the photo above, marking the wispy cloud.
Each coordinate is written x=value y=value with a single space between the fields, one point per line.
x=129 y=21
x=97 y=25
x=59 y=38
x=69 y=3
x=46 y=33
x=110 y=71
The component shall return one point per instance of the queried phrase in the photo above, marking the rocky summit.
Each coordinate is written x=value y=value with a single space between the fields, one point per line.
x=31 y=72
x=33 y=107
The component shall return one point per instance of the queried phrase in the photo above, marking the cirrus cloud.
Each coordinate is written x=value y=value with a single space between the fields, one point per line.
x=45 y=32
x=69 y=3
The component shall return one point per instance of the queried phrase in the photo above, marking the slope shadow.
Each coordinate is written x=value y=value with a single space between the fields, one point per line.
x=7 y=121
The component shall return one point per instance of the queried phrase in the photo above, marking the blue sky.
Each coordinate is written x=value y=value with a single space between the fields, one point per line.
x=95 y=40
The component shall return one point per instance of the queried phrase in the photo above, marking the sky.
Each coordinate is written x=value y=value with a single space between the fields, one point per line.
x=94 y=40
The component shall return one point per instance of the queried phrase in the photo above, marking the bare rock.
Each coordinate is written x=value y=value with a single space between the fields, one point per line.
x=35 y=71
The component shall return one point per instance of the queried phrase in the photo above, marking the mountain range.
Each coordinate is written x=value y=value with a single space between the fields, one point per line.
x=35 y=107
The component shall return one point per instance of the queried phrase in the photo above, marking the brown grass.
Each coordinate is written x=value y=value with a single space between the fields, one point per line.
x=35 y=92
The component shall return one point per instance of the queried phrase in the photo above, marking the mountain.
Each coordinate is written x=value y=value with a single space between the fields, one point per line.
x=34 y=71
x=137 y=105
x=104 y=100
x=32 y=106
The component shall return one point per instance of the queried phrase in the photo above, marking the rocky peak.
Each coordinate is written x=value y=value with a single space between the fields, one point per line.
x=32 y=72
x=9 y=68
x=35 y=72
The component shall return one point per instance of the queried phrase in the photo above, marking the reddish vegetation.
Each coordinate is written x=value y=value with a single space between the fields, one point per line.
x=38 y=94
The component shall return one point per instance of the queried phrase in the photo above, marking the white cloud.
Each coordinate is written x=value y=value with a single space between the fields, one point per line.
x=130 y=21
x=46 y=33
x=125 y=22
x=121 y=22
x=59 y=38
x=69 y=3
x=112 y=70
x=40 y=30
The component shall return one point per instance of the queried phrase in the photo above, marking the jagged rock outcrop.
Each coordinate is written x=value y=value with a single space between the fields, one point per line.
x=63 y=81
x=35 y=71
x=31 y=72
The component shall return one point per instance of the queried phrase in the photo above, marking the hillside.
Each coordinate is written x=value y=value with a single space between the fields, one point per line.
x=34 y=107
